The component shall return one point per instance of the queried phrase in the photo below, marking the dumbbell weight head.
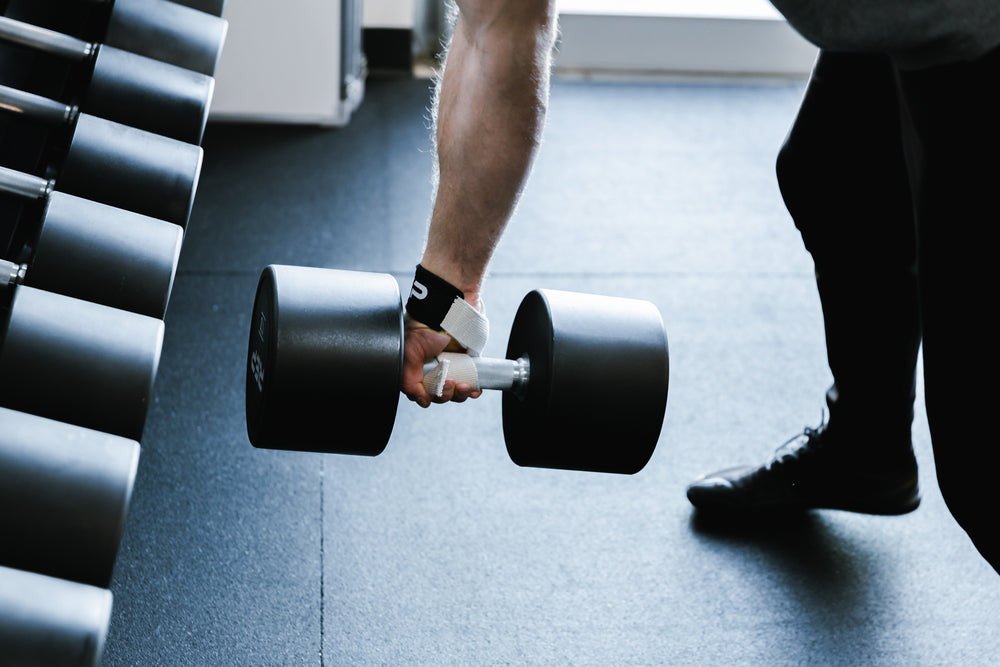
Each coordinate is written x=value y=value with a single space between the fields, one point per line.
x=214 y=7
x=126 y=87
x=167 y=31
x=106 y=255
x=324 y=361
x=78 y=362
x=149 y=94
x=64 y=497
x=132 y=169
x=598 y=388
x=48 y=622
x=317 y=333
x=116 y=164
x=95 y=252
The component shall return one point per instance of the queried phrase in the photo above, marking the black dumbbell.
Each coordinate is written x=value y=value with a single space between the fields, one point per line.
x=116 y=164
x=92 y=251
x=46 y=621
x=126 y=87
x=77 y=362
x=586 y=376
x=64 y=496
x=167 y=31
x=214 y=7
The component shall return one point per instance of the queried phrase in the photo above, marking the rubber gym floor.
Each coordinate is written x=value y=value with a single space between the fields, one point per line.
x=441 y=550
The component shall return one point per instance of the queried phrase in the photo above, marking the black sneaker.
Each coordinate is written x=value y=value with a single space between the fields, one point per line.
x=806 y=473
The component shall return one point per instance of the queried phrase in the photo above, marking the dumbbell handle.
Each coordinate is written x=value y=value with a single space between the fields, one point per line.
x=24 y=185
x=36 y=107
x=49 y=41
x=11 y=273
x=502 y=374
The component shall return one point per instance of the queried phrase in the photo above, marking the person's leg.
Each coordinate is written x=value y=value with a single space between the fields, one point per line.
x=952 y=133
x=489 y=112
x=843 y=178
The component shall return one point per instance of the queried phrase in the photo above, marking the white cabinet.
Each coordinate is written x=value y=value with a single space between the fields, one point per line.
x=294 y=61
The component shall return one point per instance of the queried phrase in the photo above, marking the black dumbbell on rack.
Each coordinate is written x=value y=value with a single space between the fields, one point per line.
x=163 y=30
x=126 y=87
x=113 y=163
x=214 y=7
x=75 y=361
x=92 y=251
x=585 y=378
x=47 y=621
x=64 y=497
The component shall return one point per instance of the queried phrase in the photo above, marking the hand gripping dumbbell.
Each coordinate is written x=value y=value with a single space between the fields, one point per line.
x=116 y=164
x=126 y=87
x=585 y=377
x=91 y=251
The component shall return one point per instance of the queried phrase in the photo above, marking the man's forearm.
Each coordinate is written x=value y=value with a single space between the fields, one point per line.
x=491 y=110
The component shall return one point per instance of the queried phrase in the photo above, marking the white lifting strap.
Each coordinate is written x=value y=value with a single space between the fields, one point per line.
x=455 y=365
x=470 y=328
x=467 y=325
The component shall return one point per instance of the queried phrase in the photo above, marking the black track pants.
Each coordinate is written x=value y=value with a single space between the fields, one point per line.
x=893 y=179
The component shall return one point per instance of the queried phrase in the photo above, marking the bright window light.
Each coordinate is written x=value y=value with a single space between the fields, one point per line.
x=753 y=9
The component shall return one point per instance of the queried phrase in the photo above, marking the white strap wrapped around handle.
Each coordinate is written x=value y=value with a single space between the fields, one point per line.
x=478 y=372
x=459 y=367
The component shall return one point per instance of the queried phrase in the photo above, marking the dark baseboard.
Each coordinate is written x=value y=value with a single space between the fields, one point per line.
x=388 y=49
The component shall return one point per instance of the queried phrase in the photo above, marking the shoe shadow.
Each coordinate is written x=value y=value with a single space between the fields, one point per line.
x=830 y=593
x=774 y=529
x=800 y=544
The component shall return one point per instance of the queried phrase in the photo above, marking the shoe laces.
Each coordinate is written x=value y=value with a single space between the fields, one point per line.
x=792 y=448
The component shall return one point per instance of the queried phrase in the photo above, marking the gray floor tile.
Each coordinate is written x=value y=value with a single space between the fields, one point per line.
x=442 y=551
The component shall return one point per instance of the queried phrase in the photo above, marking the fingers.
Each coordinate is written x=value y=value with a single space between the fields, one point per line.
x=460 y=392
x=420 y=346
x=451 y=393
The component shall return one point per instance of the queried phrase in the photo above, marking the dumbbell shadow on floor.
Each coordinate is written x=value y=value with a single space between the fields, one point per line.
x=585 y=380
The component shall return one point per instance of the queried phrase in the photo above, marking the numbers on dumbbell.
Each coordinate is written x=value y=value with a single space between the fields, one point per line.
x=257 y=370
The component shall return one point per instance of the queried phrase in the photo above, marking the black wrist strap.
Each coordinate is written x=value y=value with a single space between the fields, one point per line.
x=430 y=298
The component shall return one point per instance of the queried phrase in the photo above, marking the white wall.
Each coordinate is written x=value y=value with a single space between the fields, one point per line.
x=389 y=14
x=691 y=36
x=727 y=37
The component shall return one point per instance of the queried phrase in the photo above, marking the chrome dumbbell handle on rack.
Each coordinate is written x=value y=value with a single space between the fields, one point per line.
x=42 y=39
x=25 y=185
x=37 y=107
x=12 y=273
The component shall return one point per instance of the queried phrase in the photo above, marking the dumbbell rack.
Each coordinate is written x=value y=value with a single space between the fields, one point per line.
x=53 y=610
